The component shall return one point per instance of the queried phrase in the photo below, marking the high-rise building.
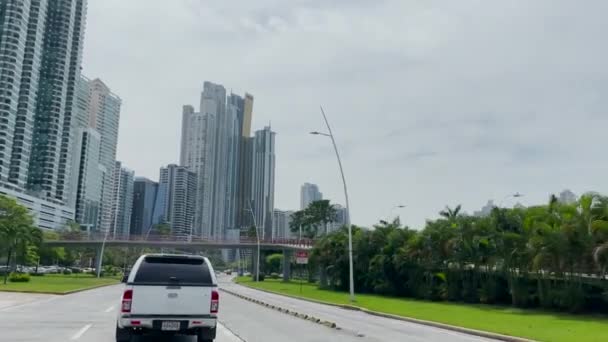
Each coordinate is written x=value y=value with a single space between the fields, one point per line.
x=234 y=116
x=243 y=218
x=176 y=199
x=567 y=197
x=486 y=210
x=51 y=149
x=263 y=180
x=96 y=115
x=280 y=224
x=212 y=147
x=40 y=48
x=89 y=175
x=340 y=219
x=122 y=201
x=245 y=186
x=198 y=155
x=308 y=194
x=104 y=115
x=144 y=199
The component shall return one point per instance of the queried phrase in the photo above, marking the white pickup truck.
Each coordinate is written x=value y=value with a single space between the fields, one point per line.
x=169 y=294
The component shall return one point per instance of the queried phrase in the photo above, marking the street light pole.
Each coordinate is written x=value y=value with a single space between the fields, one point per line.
x=350 y=232
x=257 y=235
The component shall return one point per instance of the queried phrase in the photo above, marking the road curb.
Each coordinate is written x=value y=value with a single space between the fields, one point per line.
x=58 y=293
x=444 y=326
x=316 y=320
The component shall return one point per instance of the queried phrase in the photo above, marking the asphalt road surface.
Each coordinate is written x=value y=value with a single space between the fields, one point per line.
x=91 y=316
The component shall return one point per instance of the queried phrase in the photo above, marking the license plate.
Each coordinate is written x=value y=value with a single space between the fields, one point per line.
x=170 y=325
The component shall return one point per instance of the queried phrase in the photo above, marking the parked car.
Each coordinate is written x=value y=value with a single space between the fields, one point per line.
x=169 y=295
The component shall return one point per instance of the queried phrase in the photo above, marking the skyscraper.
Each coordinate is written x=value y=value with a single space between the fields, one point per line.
x=144 y=199
x=263 y=180
x=122 y=201
x=308 y=194
x=280 y=224
x=340 y=219
x=234 y=116
x=103 y=116
x=40 y=49
x=59 y=69
x=198 y=155
x=211 y=146
x=245 y=167
x=176 y=199
x=89 y=174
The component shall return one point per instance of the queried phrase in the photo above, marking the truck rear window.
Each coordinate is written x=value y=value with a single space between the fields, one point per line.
x=173 y=271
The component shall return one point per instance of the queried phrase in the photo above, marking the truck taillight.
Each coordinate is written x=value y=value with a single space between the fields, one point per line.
x=127 y=299
x=215 y=301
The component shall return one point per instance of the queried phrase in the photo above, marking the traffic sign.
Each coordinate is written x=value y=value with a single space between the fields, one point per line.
x=301 y=257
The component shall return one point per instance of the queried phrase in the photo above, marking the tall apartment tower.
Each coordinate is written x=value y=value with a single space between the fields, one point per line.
x=144 y=199
x=308 y=194
x=245 y=164
x=122 y=201
x=104 y=115
x=41 y=45
x=176 y=199
x=263 y=180
x=214 y=146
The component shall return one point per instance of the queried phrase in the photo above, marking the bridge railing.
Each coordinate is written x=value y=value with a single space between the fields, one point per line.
x=98 y=237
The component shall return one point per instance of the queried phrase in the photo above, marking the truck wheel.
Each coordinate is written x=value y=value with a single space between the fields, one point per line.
x=206 y=335
x=123 y=335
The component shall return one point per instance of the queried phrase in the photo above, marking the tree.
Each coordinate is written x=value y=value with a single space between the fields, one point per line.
x=273 y=263
x=451 y=214
x=17 y=229
x=300 y=220
x=319 y=212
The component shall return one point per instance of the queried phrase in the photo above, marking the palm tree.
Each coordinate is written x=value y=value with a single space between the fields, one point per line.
x=451 y=214
x=321 y=212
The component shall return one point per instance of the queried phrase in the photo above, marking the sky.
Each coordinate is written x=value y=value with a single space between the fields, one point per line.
x=432 y=103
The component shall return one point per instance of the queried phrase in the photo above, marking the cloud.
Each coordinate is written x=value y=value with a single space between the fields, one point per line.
x=431 y=102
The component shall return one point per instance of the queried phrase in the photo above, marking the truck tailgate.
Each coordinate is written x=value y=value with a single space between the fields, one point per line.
x=171 y=300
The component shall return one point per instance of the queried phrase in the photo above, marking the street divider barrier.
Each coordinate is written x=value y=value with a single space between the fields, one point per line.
x=303 y=316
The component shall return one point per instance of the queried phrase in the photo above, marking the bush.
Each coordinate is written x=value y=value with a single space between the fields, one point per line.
x=274 y=275
x=37 y=274
x=19 y=277
x=110 y=270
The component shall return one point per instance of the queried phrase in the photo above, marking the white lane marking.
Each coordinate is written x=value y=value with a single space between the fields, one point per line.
x=227 y=334
x=81 y=332
x=109 y=309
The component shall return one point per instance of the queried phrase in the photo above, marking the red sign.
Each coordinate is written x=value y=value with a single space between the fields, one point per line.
x=301 y=257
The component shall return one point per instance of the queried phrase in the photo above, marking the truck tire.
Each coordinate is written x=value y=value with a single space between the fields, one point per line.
x=206 y=335
x=123 y=335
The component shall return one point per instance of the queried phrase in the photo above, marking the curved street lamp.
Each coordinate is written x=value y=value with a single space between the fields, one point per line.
x=350 y=232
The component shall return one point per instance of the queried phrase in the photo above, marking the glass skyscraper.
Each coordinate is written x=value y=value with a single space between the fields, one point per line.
x=40 y=57
x=263 y=180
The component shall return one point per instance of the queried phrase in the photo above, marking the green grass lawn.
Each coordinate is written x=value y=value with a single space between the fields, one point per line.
x=532 y=324
x=58 y=283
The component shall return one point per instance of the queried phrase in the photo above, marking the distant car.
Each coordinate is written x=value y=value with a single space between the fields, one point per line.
x=228 y=272
x=169 y=295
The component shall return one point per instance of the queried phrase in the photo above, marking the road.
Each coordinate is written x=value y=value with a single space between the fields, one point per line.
x=90 y=316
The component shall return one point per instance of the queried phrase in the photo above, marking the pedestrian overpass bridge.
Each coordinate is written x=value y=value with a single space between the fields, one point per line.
x=182 y=243
x=189 y=243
